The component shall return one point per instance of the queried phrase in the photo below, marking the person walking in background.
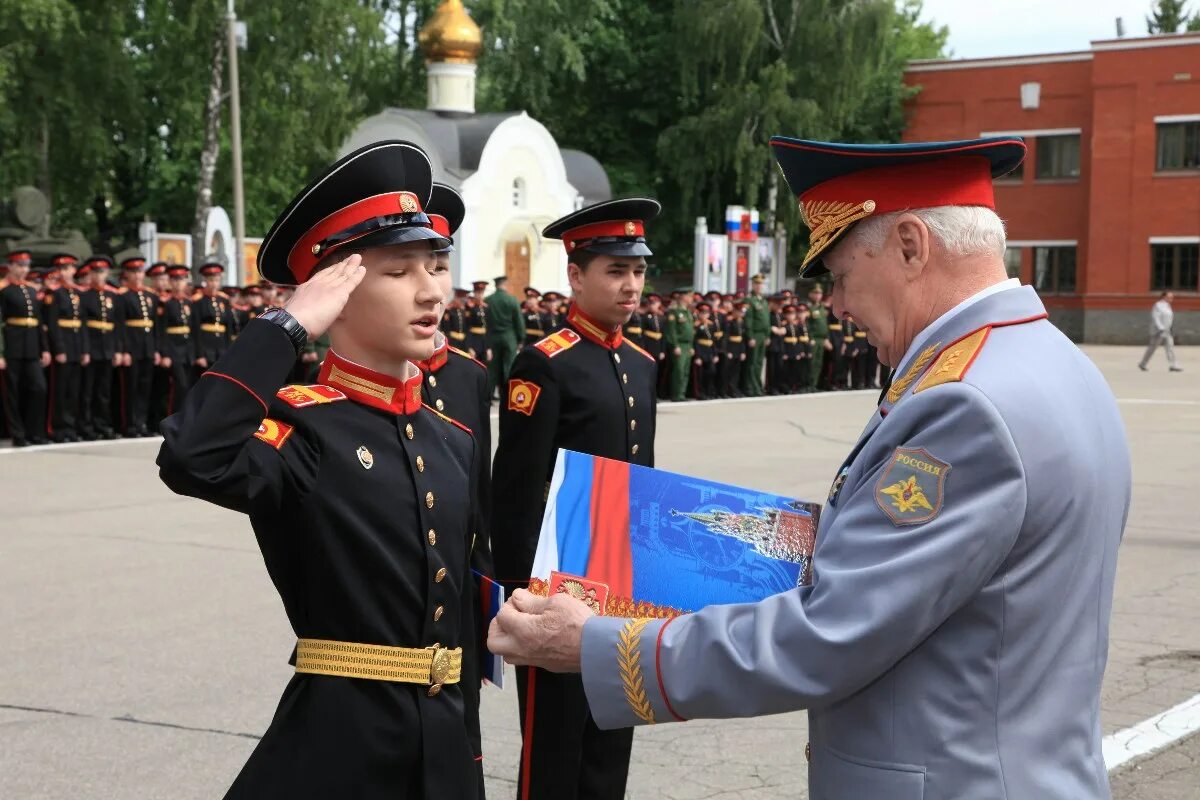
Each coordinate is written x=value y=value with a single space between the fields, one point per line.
x=1162 y=317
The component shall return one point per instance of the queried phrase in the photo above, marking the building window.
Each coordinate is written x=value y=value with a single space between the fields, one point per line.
x=1054 y=269
x=518 y=193
x=1175 y=267
x=1178 y=145
x=1012 y=262
x=1058 y=156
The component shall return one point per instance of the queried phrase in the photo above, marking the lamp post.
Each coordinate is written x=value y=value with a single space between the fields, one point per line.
x=235 y=126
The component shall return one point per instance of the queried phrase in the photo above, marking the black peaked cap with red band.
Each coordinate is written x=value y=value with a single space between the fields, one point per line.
x=613 y=228
x=445 y=211
x=373 y=197
x=838 y=184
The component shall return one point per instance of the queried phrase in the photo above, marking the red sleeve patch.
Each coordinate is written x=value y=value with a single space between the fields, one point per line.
x=523 y=396
x=273 y=432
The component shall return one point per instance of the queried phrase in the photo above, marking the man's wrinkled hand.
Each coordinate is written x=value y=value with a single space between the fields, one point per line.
x=544 y=632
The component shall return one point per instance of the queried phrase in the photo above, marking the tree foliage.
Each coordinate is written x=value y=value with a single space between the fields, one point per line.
x=1170 y=16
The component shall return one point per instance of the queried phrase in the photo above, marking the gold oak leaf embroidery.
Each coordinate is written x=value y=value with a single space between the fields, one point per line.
x=629 y=661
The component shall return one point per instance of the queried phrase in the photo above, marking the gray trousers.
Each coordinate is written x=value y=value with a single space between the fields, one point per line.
x=1167 y=341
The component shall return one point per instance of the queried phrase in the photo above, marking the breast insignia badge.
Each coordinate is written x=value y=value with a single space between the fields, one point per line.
x=912 y=488
x=364 y=456
x=838 y=482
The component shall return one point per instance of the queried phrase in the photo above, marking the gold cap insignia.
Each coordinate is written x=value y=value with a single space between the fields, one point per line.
x=829 y=219
x=630 y=229
x=316 y=249
x=364 y=457
x=408 y=203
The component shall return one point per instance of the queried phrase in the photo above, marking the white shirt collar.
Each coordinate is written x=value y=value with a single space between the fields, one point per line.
x=920 y=339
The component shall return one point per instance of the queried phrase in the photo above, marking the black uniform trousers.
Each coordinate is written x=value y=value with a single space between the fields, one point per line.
x=181 y=378
x=137 y=377
x=731 y=372
x=575 y=760
x=25 y=399
x=95 y=409
x=67 y=380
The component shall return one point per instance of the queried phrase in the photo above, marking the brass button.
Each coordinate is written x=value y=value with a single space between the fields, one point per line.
x=440 y=405
x=440 y=575
x=432 y=537
x=634 y=449
x=420 y=464
x=437 y=613
x=408 y=431
x=433 y=380
x=808 y=751
x=434 y=690
x=429 y=499
x=633 y=424
x=617 y=357
x=624 y=378
x=631 y=401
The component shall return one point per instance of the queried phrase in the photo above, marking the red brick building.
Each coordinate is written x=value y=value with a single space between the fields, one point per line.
x=1105 y=212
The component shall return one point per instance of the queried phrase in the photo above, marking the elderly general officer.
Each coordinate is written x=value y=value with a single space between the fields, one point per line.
x=952 y=641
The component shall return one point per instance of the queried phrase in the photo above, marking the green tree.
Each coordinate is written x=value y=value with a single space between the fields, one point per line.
x=1168 y=16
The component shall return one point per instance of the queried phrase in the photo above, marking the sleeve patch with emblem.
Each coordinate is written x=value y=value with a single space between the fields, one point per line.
x=273 y=432
x=911 y=489
x=523 y=396
x=304 y=396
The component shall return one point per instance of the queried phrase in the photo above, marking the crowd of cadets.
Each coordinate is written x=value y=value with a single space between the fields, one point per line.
x=92 y=349
x=703 y=344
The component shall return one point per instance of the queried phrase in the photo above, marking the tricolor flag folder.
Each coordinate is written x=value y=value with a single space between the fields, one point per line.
x=664 y=543
x=491 y=598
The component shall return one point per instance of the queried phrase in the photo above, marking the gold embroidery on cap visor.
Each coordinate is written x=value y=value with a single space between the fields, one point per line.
x=829 y=219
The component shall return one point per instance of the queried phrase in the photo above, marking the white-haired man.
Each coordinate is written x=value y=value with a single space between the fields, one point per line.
x=953 y=639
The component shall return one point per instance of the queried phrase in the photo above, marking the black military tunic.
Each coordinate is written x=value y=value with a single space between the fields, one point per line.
x=179 y=345
x=705 y=360
x=101 y=320
x=64 y=329
x=477 y=328
x=454 y=325
x=25 y=380
x=633 y=329
x=358 y=496
x=213 y=319
x=140 y=338
x=733 y=355
x=583 y=389
x=534 y=332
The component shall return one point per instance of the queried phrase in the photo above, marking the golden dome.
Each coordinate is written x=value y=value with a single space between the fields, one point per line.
x=451 y=35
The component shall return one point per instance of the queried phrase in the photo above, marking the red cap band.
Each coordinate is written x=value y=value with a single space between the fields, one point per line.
x=576 y=236
x=307 y=252
x=440 y=225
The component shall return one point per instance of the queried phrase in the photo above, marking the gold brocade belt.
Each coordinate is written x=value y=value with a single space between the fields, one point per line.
x=790 y=339
x=735 y=339
x=654 y=334
x=210 y=327
x=429 y=666
x=534 y=332
x=859 y=335
x=22 y=322
x=478 y=330
x=457 y=335
x=70 y=323
x=634 y=331
x=178 y=330
x=99 y=325
x=705 y=342
x=139 y=323
x=835 y=327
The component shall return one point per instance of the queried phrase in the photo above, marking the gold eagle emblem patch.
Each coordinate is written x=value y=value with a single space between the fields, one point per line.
x=912 y=488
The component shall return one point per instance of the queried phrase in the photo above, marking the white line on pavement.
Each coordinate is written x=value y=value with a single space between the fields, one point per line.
x=41 y=448
x=1152 y=734
x=1141 y=401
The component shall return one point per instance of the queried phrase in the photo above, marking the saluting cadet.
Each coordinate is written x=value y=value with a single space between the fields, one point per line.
x=534 y=332
x=179 y=351
x=101 y=322
x=733 y=356
x=758 y=332
x=952 y=640
x=680 y=335
x=140 y=344
x=358 y=494
x=26 y=354
x=211 y=316
x=68 y=347
x=584 y=388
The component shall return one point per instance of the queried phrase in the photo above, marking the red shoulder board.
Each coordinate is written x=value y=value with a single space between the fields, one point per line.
x=558 y=341
x=273 y=432
x=640 y=350
x=451 y=420
x=303 y=396
x=469 y=356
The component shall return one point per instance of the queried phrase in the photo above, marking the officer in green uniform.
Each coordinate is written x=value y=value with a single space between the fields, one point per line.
x=506 y=329
x=679 y=332
x=818 y=331
x=758 y=329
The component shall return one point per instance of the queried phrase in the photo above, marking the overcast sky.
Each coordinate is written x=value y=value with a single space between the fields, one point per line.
x=981 y=28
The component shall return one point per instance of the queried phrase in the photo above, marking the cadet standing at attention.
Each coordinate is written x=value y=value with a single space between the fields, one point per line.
x=585 y=388
x=101 y=318
x=679 y=334
x=211 y=316
x=26 y=354
x=359 y=495
x=952 y=641
x=179 y=339
x=68 y=348
x=140 y=344
x=477 y=324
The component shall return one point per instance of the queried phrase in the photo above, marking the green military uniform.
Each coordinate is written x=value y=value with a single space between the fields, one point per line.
x=506 y=331
x=679 y=332
x=818 y=330
x=758 y=328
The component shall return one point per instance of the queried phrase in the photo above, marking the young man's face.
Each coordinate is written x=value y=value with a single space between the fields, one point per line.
x=134 y=278
x=17 y=271
x=394 y=313
x=98 y=276
x=212 y=282
x=161 y=282
x=609 y=288
x=179 y=285
x=67 y=271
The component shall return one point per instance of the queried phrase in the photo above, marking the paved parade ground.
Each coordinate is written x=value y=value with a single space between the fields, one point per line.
x=145 y=649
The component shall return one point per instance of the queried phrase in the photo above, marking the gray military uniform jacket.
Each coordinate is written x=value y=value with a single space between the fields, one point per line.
x=953 y=639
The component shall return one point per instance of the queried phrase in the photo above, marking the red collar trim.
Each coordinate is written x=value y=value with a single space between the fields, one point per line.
x=441 y=355
x=371 y=388
x=590 y=329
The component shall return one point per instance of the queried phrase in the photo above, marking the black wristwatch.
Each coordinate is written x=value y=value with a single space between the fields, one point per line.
x=291 y=326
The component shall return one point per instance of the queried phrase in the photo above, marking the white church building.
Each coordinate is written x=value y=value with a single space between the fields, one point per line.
x=513 y=176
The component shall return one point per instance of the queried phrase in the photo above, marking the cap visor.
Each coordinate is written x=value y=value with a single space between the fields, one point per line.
x=630 y=249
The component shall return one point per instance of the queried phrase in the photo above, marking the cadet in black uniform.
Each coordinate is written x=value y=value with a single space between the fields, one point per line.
x=26 y=354
x=585 y=388
x=140 y=344
x=211 y=316
x=101 y=323
x=477 y=324
x=533 y=317
x=775 y=346
x=357 y=492
x=159 y=282
x=68 y=348
x=454 y=319
x=652 y=329
x=553 y=318
x=178 y=337
x=633 y=328
x=706 y=358
x=733 y=353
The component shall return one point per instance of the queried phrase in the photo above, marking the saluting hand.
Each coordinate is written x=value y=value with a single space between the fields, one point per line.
x=318 y=302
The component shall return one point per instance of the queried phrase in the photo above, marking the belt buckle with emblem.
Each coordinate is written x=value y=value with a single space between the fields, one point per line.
x=440 y=666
